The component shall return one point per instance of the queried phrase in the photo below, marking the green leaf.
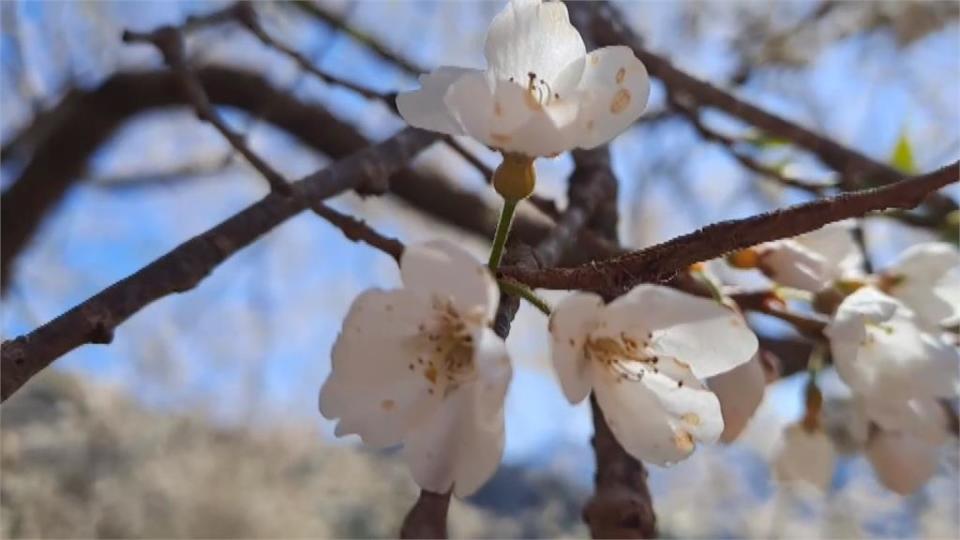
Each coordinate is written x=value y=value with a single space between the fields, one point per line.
x=902 y=157
x=763 y=141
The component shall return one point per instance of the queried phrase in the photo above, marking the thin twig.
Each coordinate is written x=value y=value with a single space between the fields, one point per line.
x=169 y=41
x=247 y=15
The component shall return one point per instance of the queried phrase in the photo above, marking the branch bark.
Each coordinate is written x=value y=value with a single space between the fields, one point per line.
x=660 y=262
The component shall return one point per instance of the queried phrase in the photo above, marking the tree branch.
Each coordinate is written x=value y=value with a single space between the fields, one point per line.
x=181 y=269
x=660 y=262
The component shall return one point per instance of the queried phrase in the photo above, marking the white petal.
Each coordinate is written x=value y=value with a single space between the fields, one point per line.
x=697 y=331
x=371 y=388
x=929 y=281
x=530 y=37
x=612 y=92
x=655 y=419
x=489 y=111
x=461 y=443
x=548 y=132
x=923 y=418
x=903 y=463
x=879 y=350
x=791 y=264
x=425 y=108
x=570 y=323
x=440 y=269
x=835 y=244
x=740 y=392
x=805 y=458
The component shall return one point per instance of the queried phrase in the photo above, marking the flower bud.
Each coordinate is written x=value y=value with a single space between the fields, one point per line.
x=515 y=178
x=745 y=258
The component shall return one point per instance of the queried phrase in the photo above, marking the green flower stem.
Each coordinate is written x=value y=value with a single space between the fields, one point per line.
x=503 y=231
x=515 y=288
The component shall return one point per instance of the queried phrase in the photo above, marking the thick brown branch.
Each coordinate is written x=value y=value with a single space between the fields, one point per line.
x=660 y=262
x=181 y=269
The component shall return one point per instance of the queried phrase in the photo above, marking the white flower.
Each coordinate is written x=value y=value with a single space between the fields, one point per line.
x=806 y=457
x=814 y=260
x=884 y=355
x=926 y=277
x=901 y=439
x=420 y=366
x=541 y=94
x=902 y=462
x=740 y=392
x=644 y=355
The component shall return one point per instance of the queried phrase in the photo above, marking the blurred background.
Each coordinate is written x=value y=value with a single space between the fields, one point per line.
x=200 y=419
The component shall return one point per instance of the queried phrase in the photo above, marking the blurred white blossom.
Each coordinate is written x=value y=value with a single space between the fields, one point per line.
x=814 y=260
x=806 y=457
x=887 y=358
x=926 y=277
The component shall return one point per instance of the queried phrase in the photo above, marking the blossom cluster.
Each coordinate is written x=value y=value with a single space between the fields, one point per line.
x=420 y=366
x=891 y=343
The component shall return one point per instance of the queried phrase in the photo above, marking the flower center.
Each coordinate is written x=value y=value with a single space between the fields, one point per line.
x=447 y=349
x=625 y=358
x=539 y=91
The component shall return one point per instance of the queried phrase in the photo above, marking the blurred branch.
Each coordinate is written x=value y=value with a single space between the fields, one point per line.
x=169 y=41
x=731 y=143
x=319 y=12
x=606 y=25
x=245 y=13
x=660 y=262
x=93 y=116
x=181 y=269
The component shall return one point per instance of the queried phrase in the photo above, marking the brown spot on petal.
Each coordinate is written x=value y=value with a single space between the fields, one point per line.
x=389 y=308
x=500 y=138
x=431 y=374
x=573 y=343
x=594 y=59
x=683 y=441
x=387 y=404
x=621 y=73
x=497 y=109
x=691 y=418
x=620 y=102
x=590 y=125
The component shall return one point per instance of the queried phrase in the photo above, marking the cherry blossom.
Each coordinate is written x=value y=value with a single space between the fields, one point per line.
x=541 y=93
x=884 y=355
x=419 y=366
x=811 y=261
x=645 y=356
x=926 y=277
x=902 y=461
x=805 y=457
